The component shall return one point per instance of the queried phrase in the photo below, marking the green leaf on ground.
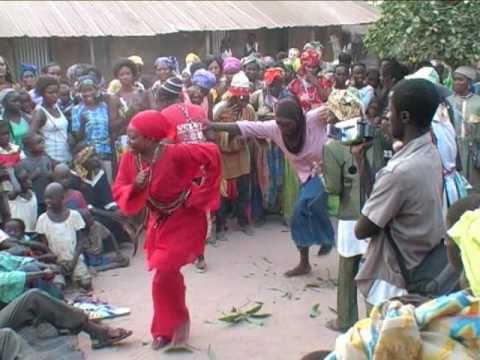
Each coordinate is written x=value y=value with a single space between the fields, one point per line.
x=315 y=311
x=179 y=348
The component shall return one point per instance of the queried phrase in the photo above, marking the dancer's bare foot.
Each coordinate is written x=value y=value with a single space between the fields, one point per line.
x=300 y=269
x=160 y=343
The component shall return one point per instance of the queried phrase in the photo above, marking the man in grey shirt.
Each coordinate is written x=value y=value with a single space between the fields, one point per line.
x=406 y=196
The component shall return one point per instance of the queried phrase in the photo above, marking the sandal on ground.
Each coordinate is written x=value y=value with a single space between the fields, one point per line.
x=106 y=339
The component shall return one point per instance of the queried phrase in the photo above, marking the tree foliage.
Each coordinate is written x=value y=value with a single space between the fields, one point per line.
x=413 y=31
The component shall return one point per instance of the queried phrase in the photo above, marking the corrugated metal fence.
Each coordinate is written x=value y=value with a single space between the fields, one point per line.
x=31 y=51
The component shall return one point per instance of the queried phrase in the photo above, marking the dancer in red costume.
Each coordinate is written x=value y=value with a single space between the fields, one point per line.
x=164 y=178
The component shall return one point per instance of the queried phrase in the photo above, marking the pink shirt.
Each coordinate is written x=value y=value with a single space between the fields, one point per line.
x=312 y=151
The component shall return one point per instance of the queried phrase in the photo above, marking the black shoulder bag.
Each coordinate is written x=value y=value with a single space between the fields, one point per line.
x=428 y=278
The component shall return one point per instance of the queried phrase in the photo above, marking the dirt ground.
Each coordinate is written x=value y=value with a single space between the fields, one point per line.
x=241 y=271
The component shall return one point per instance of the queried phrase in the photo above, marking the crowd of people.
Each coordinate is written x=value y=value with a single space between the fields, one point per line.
x=85 y=163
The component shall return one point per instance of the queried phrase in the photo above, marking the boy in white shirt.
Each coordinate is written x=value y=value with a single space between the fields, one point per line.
x=23 y=203
x=62 y=230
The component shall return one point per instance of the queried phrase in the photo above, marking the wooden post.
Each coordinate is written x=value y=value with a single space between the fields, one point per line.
x=208 y=43
x=92 y=50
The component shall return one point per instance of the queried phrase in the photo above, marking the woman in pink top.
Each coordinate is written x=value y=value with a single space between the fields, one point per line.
x=301 y=138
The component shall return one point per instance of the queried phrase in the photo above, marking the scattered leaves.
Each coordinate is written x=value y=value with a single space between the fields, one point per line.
x=285 y=294
x=239 y=315
x=315 y=311
x=267 y=260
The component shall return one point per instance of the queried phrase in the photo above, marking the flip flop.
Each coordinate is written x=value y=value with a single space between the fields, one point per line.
x=106 y=341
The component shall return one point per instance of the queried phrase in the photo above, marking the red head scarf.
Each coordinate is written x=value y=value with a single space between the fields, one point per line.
x=310 y=58
x=153 y=125
x=271 y=74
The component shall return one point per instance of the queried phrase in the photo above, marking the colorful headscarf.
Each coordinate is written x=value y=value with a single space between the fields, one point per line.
x=153 y=125
x=293 y=53
x=137 y=60
x=192 y=58
x=315 y=45
x=80 y=159
x=169 y=61
x=87 y=80
x=173 y=85
x=272 y=74
x=28 y=68
x=310 y=58
x=344 y=104
x=204 y=79
x=268 y=62
x=251 y=59
x=231 y=65
x=240 y=85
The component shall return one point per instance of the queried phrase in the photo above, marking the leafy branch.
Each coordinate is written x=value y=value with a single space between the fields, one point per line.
x=414 y=31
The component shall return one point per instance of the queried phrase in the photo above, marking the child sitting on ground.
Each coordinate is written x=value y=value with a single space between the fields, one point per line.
x=62 y=228
x=39 y=165
x=94 y=246
x=73 y=198
x=23 y=202
x=18 y=243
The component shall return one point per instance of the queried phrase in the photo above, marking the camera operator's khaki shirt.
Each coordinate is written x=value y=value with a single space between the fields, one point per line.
x=407 y=196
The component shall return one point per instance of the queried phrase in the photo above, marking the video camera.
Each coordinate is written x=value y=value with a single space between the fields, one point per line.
x=353 y=131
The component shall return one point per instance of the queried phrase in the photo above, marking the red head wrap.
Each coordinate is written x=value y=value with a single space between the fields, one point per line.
x=153 y=125
x=271 y=74
x=310 y=58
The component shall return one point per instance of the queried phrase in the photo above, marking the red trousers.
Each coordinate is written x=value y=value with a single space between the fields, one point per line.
x=170 y=317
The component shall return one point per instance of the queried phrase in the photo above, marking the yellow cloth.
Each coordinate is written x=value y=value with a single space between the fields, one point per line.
x=443 y=328
x=192 y=58
x=466 y=234
x=136 y=59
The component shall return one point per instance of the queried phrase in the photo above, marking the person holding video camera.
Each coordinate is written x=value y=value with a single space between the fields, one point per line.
x=344 y=179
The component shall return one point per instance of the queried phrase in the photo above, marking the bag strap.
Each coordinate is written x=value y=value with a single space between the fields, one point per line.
x=398 y=255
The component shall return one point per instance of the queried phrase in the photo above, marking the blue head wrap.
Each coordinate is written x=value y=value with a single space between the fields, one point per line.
x=170 y=61
x=87 y=80
x=204 y=79
x=28 y=68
